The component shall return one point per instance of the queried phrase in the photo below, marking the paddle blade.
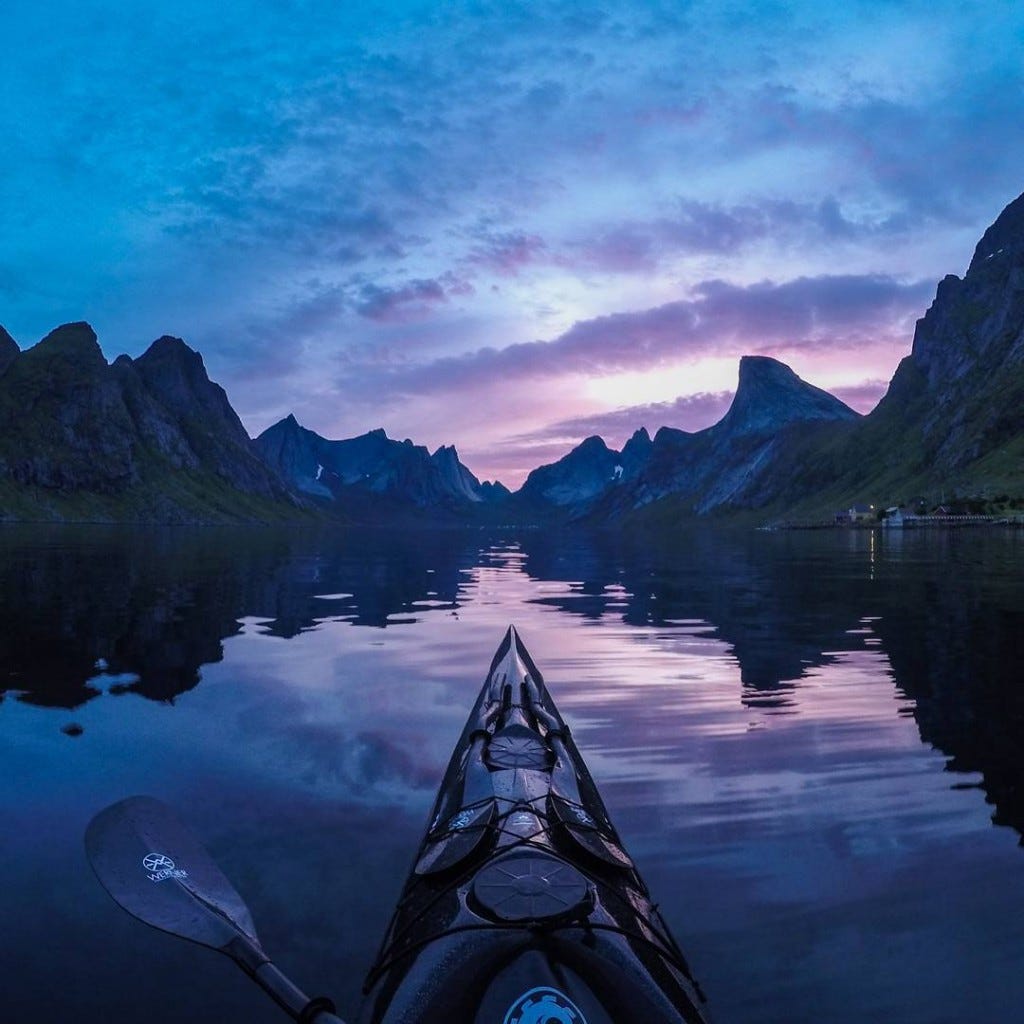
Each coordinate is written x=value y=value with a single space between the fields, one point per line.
x=155 y=868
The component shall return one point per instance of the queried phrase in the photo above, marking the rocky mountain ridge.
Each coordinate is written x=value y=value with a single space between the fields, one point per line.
x=149 y=438
x=372 y=464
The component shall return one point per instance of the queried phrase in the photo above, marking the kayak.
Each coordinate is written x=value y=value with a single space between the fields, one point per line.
x=522 y=905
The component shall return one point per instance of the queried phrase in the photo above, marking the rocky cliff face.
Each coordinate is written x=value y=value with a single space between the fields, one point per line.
x=371 y=464
x=961 y=390
x=978 y=320
x=456 y=478
x=145 y=438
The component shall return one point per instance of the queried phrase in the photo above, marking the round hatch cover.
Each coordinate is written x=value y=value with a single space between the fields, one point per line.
x=515 y=746
x=529 y=888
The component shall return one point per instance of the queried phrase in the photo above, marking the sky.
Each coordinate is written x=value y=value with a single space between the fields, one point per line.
x=504 y=226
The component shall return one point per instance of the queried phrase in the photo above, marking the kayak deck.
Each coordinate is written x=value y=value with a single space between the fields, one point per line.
x=522 y=906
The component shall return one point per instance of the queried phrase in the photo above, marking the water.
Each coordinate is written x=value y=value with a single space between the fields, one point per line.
x=810 y=742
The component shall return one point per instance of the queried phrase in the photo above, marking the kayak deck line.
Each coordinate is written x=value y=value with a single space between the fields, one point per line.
x=521 y=884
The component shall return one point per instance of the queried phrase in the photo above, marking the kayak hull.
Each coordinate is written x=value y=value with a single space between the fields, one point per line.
x=522 y=906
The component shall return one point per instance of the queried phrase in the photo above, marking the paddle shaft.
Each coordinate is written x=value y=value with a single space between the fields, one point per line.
x=281 y=989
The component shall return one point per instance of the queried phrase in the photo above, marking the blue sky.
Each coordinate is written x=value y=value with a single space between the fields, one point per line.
x=501 y=225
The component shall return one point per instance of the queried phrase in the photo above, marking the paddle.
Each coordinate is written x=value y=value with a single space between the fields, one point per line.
x=155 y=868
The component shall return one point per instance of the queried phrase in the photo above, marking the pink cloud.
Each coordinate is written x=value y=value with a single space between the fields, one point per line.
x=507 y=253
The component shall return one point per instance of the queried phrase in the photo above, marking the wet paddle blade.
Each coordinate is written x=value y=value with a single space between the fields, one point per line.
x=155 y=868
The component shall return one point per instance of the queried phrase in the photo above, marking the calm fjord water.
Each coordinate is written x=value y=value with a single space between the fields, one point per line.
x=811 y=743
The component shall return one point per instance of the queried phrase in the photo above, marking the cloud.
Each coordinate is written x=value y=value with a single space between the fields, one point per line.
x=688 y=412
x=863 y=396
x=506 y=252
x=721 y=319
x=412 y=300
x=408 y=302
x=698 y=227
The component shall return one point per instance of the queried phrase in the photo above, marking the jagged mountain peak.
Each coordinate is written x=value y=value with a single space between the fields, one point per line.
x=635 y=453
x=169 y=355
x=75 y=342
x=286 y=425
x=457 y=478
x=73 y=423
x=169 y=345
x=176 y=373
x=770 y=395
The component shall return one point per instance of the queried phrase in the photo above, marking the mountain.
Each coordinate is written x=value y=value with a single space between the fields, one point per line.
x=960 y=392
x=356 y=470
x=709 y=469
x=151 y=439
x=585 y=473
x=588 y=470
x=724 y=466
x=770 y=396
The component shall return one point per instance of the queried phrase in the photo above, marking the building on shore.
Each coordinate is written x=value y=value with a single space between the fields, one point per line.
x=857 y=513
x=893 y=517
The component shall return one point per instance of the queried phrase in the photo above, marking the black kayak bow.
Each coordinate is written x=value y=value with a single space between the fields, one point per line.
x=155 y=868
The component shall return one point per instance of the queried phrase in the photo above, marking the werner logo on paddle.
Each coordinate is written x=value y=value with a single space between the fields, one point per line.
x=161 y=867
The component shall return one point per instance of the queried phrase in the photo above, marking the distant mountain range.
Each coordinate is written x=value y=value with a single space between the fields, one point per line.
x=153 y=439
x=362 y=472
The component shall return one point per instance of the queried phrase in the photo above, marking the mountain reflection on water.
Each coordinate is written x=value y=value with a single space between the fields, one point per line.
x=759 y=708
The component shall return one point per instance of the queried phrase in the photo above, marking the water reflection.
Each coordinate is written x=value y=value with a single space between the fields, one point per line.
x=796 y=732
x=93 y=610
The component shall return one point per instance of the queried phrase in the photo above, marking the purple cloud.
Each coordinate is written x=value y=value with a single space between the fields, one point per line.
x=688 y=412
x=506 y=253
x=708 y=228
x=863 y=396
x=722 y=319
x=410 y=301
